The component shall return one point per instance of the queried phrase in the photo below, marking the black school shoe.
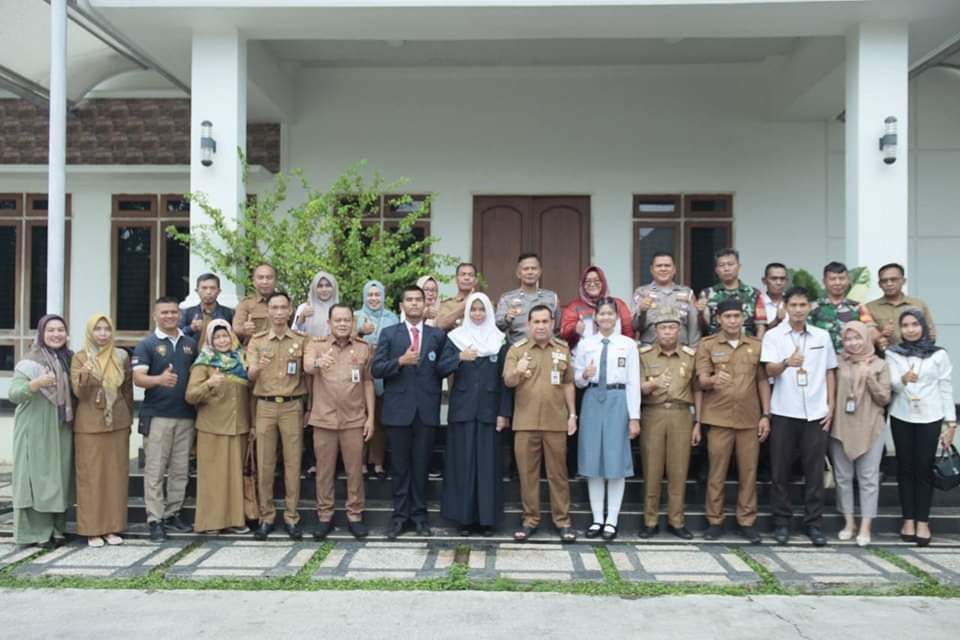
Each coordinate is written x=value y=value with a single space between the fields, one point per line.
x=157 y=534
x=177 y=523
x=816 y=536
x=713 y=532
x=750 y=534
x=322 y=530
x=294 y=531
x=358 y=529
x=681 y=532
x=649 y=532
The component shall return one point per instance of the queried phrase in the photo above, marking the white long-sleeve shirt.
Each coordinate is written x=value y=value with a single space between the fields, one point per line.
x=623 y=366
x=933 y=388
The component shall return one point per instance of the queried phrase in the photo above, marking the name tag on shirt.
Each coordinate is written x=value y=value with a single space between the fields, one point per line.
x=355 y=375
x=621 y=362
x=291 y=367
x=554 y=377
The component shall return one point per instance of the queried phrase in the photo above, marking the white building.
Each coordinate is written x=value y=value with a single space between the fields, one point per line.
x=549 y=125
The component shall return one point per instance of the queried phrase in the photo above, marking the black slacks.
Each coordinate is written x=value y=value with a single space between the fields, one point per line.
x=916 y=445
x=410 y=448
x=787 y=435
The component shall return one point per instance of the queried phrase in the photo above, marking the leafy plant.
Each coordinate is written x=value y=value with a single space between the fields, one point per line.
x=332 y=230
x=858 y=290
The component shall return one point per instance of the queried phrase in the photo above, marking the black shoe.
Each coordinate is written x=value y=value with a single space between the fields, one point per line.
x=322 y=530
x=423 y=530
x=358 y=529
x=294 y=531
x=781 y=535
x=649 y=532
x=465 y=531
x=568 y=535
x=713 y=532
x=176 y=522
x=157 y=534
x=908 y=537
x=681 y=532
x=435 y=474
x=594 y=530
x=749 y=534
x=924 y=542
x=394 y=531
x=816 y=536
x=487 y=532
x=263 y=531
x=609 y=532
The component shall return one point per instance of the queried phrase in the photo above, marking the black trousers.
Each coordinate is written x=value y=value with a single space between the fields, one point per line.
x=916 y=449
x=410 y=448
x=787 y=435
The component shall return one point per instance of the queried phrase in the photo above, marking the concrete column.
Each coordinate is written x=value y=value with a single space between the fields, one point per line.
x=57 y=157
x=876 y=193
x=218 y=93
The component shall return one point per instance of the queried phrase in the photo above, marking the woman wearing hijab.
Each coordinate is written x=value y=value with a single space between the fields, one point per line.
x=103 y=383
x=479 y=407
x=431 y=299
x=218 y=388
x=607 y=365
x=373 y=318
x=43 y=437
x=311 y=316
x=856 y=435
x=922 y=406
x=577 y=320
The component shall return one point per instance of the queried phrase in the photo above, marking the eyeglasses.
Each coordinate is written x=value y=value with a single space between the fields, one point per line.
x=589 y=281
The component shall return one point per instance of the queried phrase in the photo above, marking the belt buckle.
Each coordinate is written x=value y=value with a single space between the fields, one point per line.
x=667 y=405
x=278 y=399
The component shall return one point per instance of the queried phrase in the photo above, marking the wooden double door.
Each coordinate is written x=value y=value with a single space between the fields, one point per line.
x=555 y=227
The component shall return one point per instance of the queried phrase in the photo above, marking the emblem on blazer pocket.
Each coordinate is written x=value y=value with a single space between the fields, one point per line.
x=493 y=358
x=432 y=356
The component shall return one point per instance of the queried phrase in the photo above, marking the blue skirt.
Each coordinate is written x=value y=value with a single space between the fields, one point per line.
x=604 y=436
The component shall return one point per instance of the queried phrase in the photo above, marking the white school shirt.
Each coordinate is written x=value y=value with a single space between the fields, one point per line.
x=933 y=388
x=623 y=366
x=789 y=399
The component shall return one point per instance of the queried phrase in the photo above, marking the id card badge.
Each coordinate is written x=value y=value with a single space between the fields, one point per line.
x=554 y=377
x=915 y=404
x=801 y=377
x=851 y=405
x=355 y=375
x=291 y=367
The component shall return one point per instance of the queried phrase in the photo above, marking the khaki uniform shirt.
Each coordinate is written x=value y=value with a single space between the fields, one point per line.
x=736 y=405
x=448 y=305
x=284 y=375
x=339 y=399
x=882 y=311
x=88 y=417
x=539 y=404
x=223 y=411
x=677 y=296
x=251 y=308
x=653 y=362
x=516 y=329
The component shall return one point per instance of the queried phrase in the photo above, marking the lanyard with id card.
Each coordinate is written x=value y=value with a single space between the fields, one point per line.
x=555 y=372
x=355 y=370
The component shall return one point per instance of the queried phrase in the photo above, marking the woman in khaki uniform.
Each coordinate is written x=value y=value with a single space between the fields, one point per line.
x=218 y=388
x=103 y=383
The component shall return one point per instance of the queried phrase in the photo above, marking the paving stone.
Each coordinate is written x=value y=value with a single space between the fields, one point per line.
x=815 y=569
x=243 y=559
x=528 y=563
x=131 y=559
x=10 y=553
x=353 y=560
x=943 y=564
x=702 y=563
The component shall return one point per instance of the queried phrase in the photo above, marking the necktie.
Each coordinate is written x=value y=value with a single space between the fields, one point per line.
x=603 y=369
x=416 y=338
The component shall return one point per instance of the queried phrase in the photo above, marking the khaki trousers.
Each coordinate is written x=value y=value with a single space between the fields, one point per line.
x=285 y=419
x=375 y=451
x=530 y=448
x=720 y=447
x=665 y=438
x=349 y=443
x=167 y=452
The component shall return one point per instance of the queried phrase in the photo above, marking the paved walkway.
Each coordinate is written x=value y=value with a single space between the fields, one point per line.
x=465 y=615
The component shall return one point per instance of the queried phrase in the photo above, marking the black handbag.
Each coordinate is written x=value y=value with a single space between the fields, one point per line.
x=946 y=470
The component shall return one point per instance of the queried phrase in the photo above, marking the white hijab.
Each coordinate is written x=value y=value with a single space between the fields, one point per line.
x=316 y=325
x=485 y=338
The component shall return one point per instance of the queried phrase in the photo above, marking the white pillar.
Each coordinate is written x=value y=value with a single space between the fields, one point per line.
x=218 y=93
x=876 y=193
x=57 y=157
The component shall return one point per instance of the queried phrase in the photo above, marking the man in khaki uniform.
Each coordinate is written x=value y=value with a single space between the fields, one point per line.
x=736 y=409
x=886 y=309
x=251 y=315
x=668 y=428
x=540 y=370
x=450 y=314
x=341 y=417
x=276 y=359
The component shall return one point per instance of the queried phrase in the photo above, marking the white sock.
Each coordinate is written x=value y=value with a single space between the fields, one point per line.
x=615 y=490
x=595 y=488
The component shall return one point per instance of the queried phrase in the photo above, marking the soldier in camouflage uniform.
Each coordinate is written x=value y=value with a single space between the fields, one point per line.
x=727 y=267
x=830 y=313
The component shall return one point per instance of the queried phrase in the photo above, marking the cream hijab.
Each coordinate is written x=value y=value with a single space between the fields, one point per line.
x=484 y=337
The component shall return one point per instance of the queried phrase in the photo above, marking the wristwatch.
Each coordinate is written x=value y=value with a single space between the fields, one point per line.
x=766 y=415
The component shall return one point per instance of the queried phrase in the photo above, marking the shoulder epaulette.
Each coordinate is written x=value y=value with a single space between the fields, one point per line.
x=560 y=342
x=688 y=350
x=645 y=348
x=521 y=342
x=260 y=334
x=299 y=334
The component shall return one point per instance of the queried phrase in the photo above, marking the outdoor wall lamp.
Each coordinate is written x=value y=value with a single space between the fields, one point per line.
x=888 y=141
x=208 y=146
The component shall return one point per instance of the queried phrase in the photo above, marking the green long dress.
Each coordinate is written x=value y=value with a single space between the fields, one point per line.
x=42 y=467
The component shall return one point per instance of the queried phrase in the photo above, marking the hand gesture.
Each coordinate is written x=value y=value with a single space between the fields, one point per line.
x=590 y=371
x=645 y=302
x=701 y=303
x=325 y=360
x=429 y=313
x=249 y=327
x=634 y=429
x=168 y=378
x=663 y=380
x=265 y=359
x=47 y=379
x=781 y=311
x=215 y=380
x=368 y=327
x=469 y=354
x=88 y=366
x=795 y=359
x=581 y=326
x=196 y=324
x=523 y=364
x=306 y=313
x=722 y=379
x=516 y=306
x=888 y=329
x=502 y=423
x=910 y=376
x=411 y=357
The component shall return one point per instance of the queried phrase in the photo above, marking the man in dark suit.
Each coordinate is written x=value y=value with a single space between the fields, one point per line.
x=406 y=359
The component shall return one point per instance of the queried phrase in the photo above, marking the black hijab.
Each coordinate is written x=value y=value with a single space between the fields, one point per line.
x=922 y=348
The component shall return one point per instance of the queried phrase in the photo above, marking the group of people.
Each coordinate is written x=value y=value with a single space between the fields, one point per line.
x=734 y=370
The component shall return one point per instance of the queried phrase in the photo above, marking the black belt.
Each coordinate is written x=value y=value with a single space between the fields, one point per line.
x=279 y=399
x=609 y=386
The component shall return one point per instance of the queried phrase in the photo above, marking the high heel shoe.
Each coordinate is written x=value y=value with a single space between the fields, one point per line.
x=908 y=537
x=923 y=542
